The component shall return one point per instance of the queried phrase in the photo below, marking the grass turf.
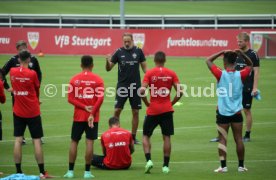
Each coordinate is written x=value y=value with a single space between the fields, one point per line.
x=136 y=7
x=193 y=156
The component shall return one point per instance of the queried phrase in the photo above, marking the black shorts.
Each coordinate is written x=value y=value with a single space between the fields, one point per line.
x=247 y=99
x=236 y=118
x=34 y=124
x=165 y=121
x=79 y=127
x=134 y=99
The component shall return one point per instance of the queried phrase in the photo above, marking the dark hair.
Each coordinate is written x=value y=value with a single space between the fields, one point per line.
x=20 y=43
x=128 y=34
x=230 y=57
x=86 y=61
x=160 y=57
x=113 y=121
x=24 y=55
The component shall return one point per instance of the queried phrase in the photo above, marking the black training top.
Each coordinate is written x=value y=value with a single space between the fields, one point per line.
x=14 y=62
x=128 y=65
x=248 y=84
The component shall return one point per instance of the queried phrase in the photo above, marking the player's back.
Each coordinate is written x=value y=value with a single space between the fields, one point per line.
x=160 y=80
x=85 y=88
x=117 y=142
x=25 y=86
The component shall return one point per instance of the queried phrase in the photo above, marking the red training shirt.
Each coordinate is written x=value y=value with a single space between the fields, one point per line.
x=162 y=79
x=25 y=86
x=86 y=89
x=116 y=142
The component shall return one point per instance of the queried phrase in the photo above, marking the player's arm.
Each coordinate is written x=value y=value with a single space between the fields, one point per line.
x=37 y=69
x=256 y=79
x=5 y=70
x=99 y=93
x=179 y=93
x=72 y=99
x=144 y=66
x=103 y=147
x=212 y=58
x=256 y=68
x=143 y=93
x=36 y=84
x=2 y=93
x=109 y=64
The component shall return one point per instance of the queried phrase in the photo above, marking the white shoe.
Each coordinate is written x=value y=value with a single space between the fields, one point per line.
x=221 y=170
x=242 y=169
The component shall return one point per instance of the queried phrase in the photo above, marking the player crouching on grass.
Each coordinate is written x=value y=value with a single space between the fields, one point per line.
x=159 y=109
x=229 y=90
x=86 y=93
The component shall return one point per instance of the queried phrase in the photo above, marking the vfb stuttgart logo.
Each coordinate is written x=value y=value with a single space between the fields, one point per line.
x=33 y=38
x=139 y=39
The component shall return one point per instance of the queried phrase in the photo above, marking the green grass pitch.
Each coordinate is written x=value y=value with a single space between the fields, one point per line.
x=136 y=7
x=193 y=156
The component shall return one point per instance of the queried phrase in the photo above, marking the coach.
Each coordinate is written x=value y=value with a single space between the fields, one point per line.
x=128 y=57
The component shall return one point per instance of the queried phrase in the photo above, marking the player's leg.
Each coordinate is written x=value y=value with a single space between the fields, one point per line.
x=237 y=133
x=135 y=124
x=98 y=161
x=120 y=101
x=19 y=129
x=148 y=128
x=167 y=128
x=76 y=133
x=36 y=131
x=222 y=127
x=91 y=135
x=247 y=104
x=135 y=103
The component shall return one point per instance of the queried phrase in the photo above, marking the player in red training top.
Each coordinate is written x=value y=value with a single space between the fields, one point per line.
x=2 y=101
x=159 y=110
x=26 y=110
x=117 y=145
x=86 y=93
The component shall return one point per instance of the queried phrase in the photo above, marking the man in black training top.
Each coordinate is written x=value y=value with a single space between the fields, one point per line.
x=128 y=57
x=250 y=88
x=14 y=62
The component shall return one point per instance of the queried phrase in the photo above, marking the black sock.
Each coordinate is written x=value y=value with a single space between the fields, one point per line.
x=71 y=166
x=223 y=163
x=133 y=136
x=166 y=161
x=18 y=168
x=41 y=168
x=148 y=156
x=241 y=163
x=247 y=134
x=87 y=167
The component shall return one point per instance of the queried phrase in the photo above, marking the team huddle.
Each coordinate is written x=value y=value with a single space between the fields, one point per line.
x=86 y=94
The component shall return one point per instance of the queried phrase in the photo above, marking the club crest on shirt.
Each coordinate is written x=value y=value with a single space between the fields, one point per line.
x=31 y=64
x=33 y=38
x=257 y=42
x=139 y=39
x=153 y=78
x=134 y=55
